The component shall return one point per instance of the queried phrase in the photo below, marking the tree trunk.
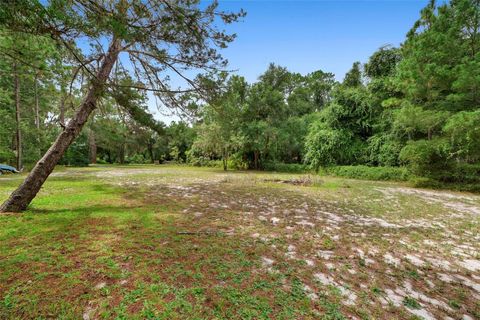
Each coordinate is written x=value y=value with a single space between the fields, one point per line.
x=17 y=115
x=150 y=152
x=121 y=154
x=224 y=160
x=24 y=194
x=93 y=147
x=255 y=159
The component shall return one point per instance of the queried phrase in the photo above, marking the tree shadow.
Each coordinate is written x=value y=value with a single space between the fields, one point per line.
x=95 y=208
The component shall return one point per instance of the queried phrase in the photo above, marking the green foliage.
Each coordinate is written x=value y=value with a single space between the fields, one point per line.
x=353 y=78
x=77 y=154
x=426 y=157
x=285 y=167
x=463 y=130
x=411 y=303
x=383 y=150
x=326 y=146
x=137 y=159
x=263 y=122
x=368 y=173
x=418 y=108
x=382 y=63
x=415 y=122
x=460 y=176
x=414 y=106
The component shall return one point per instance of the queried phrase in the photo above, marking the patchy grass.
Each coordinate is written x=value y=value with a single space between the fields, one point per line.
x=167 y=242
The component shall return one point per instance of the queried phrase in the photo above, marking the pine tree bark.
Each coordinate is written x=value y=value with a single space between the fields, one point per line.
x=92 y=143
x=24 y=194
x=93 y=147
x=18 y=117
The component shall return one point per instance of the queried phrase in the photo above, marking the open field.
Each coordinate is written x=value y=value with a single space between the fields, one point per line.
x=168 y=242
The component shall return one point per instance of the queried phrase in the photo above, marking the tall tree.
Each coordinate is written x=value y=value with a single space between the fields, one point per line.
x=157 y=35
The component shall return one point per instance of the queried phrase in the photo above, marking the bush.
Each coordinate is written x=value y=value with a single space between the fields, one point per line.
x=205 y=162
x=137 y=159
x=237 y=162
x=459 y=173
x=426 y=158
x=421 y=182
x=368 y=173
x=383 y=150
x=101 y=161
x=285 y=167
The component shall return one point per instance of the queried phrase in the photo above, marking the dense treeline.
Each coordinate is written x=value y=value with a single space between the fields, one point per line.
x=416 y=106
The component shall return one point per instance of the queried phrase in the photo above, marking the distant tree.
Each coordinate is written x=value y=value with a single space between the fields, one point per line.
x=382 y=63
x=141 y=30
x=353 y=78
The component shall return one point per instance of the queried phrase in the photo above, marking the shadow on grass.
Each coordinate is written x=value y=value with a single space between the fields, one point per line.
x=84 y=210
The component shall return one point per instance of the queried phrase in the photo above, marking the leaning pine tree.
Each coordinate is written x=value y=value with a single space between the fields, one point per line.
x=157 y=38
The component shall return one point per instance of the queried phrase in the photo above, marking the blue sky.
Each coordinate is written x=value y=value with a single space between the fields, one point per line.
x=305 y=36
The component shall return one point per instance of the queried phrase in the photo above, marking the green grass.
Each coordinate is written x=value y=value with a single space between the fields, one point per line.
x=124 y=242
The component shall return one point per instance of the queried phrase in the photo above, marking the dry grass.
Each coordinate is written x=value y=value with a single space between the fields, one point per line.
x=171 y=242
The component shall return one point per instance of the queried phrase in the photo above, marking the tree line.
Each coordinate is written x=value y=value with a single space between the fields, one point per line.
x=417 y=106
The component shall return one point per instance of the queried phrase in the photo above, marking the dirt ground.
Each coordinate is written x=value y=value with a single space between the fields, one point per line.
x=179 y=242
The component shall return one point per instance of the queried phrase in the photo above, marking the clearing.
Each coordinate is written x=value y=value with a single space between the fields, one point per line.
x=172 y=242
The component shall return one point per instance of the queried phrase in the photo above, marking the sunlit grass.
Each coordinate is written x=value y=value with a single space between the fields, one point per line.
x=125 y=242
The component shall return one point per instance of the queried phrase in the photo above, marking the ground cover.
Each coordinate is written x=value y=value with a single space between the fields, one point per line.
x=171 y=242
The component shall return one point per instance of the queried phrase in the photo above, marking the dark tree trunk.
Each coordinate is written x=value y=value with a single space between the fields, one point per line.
x=93 y=147
x=24 y=194
x=150 y=152
x=225 y=160
x=121 y=155
x=18 y=134
x=255 y=159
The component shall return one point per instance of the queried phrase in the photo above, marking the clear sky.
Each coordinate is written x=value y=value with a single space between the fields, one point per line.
x=305 y=36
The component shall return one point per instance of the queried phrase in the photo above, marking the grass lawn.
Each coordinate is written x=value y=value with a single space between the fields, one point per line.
x=171 y=242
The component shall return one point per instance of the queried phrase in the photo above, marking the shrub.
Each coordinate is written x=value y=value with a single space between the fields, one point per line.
x=137 y=159
x=368 y=173
x=426 y=158
x=237 y=162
